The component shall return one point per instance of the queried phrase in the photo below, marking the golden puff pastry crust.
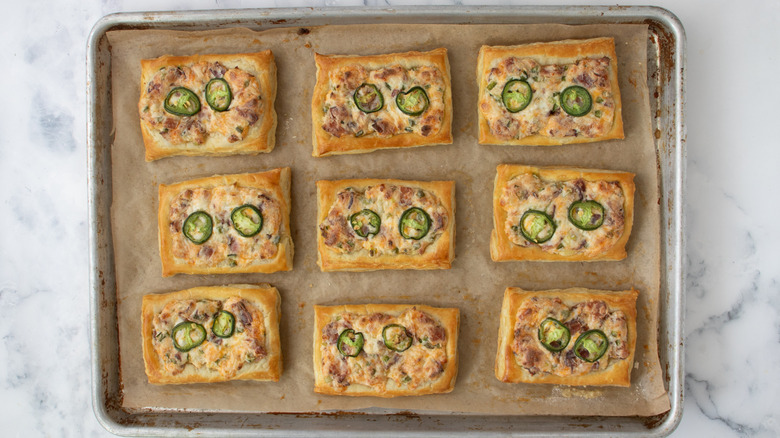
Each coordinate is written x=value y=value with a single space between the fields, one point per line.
x=248 y=126
x=340 y=248
x=521 y=357
x=254 y=353
x=428 y=366
x=520 y=188
x=340 y=127
x=226 y=251
x=549 y=68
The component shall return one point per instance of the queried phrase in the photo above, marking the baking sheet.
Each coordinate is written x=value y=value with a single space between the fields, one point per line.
x=475 y=284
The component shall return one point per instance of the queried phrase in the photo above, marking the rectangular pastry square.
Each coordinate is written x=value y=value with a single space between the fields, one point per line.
x=561 y=214
x=385 y=350
x=208 y=104
x=212 y=334
x=226 y=224
x=552 y=93
x=397 y=100
x=572 y=337
x=370 y=224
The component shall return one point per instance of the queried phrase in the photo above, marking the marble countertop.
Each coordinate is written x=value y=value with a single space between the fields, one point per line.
x=732 y=321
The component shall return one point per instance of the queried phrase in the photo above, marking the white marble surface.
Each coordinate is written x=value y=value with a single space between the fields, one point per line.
x=732 y=327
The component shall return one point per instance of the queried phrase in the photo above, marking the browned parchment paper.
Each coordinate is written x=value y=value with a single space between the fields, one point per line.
x=475 y=284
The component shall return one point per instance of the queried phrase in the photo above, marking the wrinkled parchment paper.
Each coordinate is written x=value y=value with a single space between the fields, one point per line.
x=475 y=284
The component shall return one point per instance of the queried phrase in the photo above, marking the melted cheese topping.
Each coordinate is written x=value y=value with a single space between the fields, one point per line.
x=544 y=116
x=389 y=202
x=376 y=365
x=528 y=192
x=342 y=117
x=223 y=355
x=225 y=247
x=244 y=111
x=590 y=315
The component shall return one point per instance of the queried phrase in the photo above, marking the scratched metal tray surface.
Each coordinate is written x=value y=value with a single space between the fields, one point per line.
x=666 y=73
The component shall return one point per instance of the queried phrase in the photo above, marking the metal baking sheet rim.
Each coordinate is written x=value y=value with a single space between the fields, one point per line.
x=667 y=94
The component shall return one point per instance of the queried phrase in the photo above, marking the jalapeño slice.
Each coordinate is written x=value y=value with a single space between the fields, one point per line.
x=536 y=226
x=368 y=98
x=576 y=101
x=414 y=102
x=365 y=223
x=224 y=323
x=414 y=223
x=554 y=335
x=218 y=94
x=586 y=215
x=247 y=220
x=591 y=345
x=396 y=337
x=197 y=227
x=187 y=335
x=350 y=343
x=517 y=95
x=182 y=102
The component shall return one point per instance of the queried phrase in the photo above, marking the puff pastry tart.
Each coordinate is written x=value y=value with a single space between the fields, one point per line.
x=568 y=214
x=226 y=224
x=212 y=334
x=570 y=337
x=364 y=103
x=385 y=350
x=369 y=224
x=208 y=104
x=549 y=93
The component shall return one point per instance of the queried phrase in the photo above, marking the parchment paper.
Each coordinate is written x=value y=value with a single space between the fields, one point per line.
x=475 y=284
